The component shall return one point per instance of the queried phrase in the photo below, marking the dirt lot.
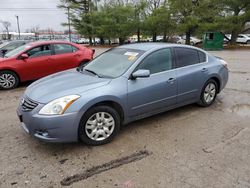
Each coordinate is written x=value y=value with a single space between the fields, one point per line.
x=186 y=147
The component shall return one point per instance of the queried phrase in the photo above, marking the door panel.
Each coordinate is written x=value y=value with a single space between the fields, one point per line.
x=190 y=81
x=35 y=68
x=146 y=95
x=38 y=64
x=64 y=57
x=191 y=73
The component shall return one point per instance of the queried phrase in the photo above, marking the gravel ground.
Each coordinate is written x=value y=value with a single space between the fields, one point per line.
x=187 y=147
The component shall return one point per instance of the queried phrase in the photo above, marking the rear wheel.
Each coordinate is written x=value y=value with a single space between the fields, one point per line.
x=208 y=93
x=8 y=80
x=248 y=42
x=99 y=125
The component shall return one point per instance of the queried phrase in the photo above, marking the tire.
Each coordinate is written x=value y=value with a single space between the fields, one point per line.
x=248 y=42
x=91 y=133
x=8 y=80
x=209 y=93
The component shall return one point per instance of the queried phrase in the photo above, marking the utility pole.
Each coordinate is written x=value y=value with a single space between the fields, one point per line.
x=17 y=19
x=69 y=25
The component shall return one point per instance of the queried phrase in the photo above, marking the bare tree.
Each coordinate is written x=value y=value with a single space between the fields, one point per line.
x=6 y=26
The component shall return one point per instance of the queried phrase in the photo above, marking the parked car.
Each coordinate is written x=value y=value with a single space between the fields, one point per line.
x=122 y=85
x=242 y=38
x=193 y=40
x=11 y=45
x=39 y=59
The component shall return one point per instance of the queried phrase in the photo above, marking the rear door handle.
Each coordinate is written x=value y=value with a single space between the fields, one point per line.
x=171 y=80
x=204 y=70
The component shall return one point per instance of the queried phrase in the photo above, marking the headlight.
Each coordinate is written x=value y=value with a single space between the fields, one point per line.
x=58 y=106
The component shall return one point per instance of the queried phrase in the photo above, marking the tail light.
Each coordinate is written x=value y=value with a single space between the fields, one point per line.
x=223 y=62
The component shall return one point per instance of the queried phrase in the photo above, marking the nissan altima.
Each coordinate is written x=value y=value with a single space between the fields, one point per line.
x=122 y=85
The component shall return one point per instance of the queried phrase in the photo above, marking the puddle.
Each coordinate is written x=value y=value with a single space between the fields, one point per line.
x=105 y=167
x=241 y=109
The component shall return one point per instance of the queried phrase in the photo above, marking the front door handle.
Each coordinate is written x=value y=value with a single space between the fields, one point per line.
x=171 y=80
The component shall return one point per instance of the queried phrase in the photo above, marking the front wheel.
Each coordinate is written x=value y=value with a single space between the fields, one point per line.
x=8 y=80
x=209 y=93
x=99 y=125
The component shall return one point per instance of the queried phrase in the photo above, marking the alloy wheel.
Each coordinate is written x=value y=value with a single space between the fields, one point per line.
x=7 y=80
x=210 y=92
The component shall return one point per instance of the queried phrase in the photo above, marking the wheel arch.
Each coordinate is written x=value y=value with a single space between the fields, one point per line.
x=11 y=70
x=111 y=103
x=218 y=82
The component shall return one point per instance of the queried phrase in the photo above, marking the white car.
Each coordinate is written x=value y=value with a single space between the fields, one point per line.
x=193 y=40
x=242 y=38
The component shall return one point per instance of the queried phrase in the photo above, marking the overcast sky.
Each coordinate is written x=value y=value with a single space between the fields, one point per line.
x=31 y=13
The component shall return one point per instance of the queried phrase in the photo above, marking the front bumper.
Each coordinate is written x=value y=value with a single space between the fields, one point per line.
x=53 y=128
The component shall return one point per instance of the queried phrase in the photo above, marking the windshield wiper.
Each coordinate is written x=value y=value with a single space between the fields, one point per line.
x=93 y=72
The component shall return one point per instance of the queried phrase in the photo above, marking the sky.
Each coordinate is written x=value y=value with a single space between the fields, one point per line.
x=32 y=13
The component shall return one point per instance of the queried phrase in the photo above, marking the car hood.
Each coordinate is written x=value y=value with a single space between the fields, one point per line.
x=62 y=84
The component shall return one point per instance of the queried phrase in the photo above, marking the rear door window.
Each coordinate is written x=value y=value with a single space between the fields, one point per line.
x=64 y=49
x=186 y=57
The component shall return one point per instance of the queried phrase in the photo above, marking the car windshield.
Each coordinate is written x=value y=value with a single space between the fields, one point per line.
x=16 y=51
x=4 y=44
x=113 y=63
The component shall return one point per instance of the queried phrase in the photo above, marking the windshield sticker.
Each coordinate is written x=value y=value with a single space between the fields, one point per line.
x=131 y=58
x=131 y=54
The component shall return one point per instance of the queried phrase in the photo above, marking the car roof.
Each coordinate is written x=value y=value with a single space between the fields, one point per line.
x=150 y=46
x=49 y=42
x=15 y=41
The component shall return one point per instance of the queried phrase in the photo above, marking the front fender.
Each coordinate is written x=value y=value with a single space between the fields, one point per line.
x=100 y=99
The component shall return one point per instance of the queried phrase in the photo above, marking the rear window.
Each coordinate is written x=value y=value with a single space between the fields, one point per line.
x=64 y=48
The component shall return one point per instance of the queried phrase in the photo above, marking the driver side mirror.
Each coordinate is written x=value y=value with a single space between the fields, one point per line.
x=141 y=73
x=24 y=56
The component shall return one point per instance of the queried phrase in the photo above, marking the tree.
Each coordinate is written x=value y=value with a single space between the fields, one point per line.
x=6 y=26
x=80 y=14
x=191 y=15
x=236 y=13
x=159 y=22
x=122 y=21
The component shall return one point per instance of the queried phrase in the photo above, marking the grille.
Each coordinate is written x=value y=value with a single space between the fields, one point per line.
x=28 y=105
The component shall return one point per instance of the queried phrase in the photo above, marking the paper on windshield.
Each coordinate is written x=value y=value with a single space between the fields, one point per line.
x=131 y=55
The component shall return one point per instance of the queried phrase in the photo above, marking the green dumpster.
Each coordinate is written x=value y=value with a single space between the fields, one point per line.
x=213 y=41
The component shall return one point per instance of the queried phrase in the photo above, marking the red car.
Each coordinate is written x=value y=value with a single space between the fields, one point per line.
x=38 y=59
